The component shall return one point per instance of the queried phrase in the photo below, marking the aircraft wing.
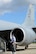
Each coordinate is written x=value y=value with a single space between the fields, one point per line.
x=4 y=25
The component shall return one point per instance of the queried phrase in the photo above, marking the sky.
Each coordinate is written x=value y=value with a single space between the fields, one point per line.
x=14 y=10
x=16 y=16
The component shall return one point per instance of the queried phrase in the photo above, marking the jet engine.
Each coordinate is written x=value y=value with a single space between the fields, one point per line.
x=23 y=36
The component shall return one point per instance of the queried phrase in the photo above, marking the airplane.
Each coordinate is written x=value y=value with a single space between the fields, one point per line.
x=24 y=33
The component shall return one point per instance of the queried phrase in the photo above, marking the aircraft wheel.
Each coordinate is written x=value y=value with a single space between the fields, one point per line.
x=26 y=47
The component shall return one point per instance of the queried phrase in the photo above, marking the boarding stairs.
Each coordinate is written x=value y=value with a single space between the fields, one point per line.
x=2 y=45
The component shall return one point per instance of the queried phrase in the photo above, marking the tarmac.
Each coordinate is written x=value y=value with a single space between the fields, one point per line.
x=20 y=50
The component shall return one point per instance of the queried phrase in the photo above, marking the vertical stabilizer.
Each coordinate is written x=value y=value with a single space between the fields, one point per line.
x=29 y=21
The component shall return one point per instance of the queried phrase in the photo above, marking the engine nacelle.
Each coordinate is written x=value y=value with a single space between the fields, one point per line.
x=23 y=36
x=29 y=36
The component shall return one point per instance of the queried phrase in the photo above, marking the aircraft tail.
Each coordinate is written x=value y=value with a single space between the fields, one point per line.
x=29 y=21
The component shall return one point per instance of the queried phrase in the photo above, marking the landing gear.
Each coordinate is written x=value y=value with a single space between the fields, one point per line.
x=26 y=46
x=16 y=45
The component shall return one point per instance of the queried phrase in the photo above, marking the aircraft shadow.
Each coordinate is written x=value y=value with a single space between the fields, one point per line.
x=25 y=49
x=20 y=49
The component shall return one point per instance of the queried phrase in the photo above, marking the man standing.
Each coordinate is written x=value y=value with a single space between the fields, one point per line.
x=13 y=44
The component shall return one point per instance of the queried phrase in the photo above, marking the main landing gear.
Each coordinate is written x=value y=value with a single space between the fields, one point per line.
x=26 y=46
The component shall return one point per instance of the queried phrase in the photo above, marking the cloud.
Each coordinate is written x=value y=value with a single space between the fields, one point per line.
x=5 y=6
x=13 y=5
x=31 y=1
x=3 y=2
